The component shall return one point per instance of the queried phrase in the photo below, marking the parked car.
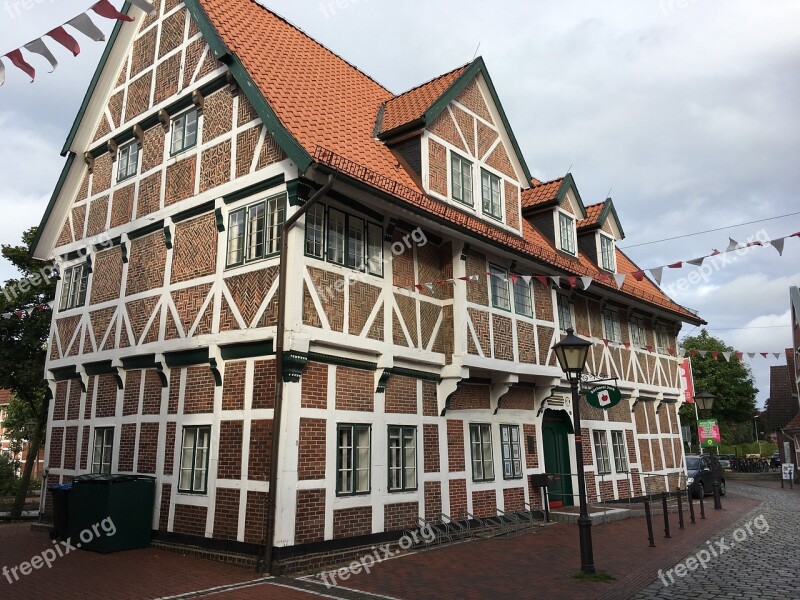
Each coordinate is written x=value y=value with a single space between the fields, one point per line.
x=775 y=462
x=702 y=472
x=725 y=461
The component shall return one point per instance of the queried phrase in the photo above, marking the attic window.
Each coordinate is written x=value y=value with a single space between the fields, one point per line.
x=607 y=253
x=490 y=194
x=73 y=287
x=461 y=179
x=566 y=228
x=128 y=161
x=184 y=132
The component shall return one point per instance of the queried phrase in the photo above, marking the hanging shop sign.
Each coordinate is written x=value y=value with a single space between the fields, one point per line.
x=604 y=396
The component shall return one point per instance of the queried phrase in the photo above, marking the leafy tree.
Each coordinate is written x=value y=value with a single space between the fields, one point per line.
x=23 y=349
x=731 y=382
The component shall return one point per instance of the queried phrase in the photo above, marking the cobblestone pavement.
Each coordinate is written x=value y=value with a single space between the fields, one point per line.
x=751 y=562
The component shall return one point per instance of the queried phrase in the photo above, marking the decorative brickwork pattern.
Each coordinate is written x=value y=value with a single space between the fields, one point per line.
x=429 y=316
x=430 y=445
x=246 y=143
x=437 y=161
x=229 y=463
x=195 y=249
x=466 y=124
x=215 y=167
x=79 y=221
x=151 y=401
x=247 y=113
x=401 y=395
x=130 y=396
x=621 y=413
x=314 y=386
x=146 y=265
x=486 y=138
x=148 y=448
x=408 y=311
x=309 y=524
x=455 y=446
x=445 y=127
x=363 y=298
x=472 y=98
x=397 y=517
x=503 y=338
x=66 y=329
x=168 y=77
x=249 y=290
x=260 y=450
x=98 y=215
x=190 y=520
x=180 y=179
x=70 y=447
x=101 y=179
x=152 y=150
x=546 y=335
x=470 y=397
x=226 y=514
x=500 y=160
x=122 y=206
x=355 y=389
x=144 y=50
x=139 y=313
x=271 y=153
x=311 y=452
x=512 y=205
x=172 y=29
x=149 y=195
x=352 y=522
x=217 y=114
x=188 y=302
x=138 y=96
x=106 y=276
x=194 y=53
x=332 y=303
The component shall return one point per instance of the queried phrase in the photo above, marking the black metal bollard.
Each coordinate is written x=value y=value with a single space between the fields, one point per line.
x=702 y=503
x=649 y=517
x=666 y=514
x=546 y=505
x=680 y=509
x=691 y=505
x=717 y=503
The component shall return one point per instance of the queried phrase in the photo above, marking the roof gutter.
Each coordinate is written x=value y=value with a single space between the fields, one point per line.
x=280 y=334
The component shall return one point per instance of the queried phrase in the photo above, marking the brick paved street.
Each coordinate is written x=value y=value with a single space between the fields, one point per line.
x=762 y=565
x=527 y=566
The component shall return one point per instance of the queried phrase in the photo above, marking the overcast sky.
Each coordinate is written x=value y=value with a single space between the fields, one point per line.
x=685 y=109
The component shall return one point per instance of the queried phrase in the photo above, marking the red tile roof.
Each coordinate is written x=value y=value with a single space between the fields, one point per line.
x=541 y=193
x=592 y=215
x=330 y=107
x=5 y=396
x=412 y=105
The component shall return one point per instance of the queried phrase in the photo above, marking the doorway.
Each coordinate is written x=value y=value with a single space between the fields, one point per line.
x=556 y=428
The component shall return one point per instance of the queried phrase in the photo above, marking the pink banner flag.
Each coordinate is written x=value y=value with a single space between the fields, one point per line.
x=638 y=275
x=573 y=281
x=60 y=35
x=676 y=265
x=104 y=8
x=715 y=355
x=542 y=279
x=739 y=356
x=15 y=56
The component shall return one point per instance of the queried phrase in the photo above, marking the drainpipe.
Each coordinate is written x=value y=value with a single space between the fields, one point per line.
x=272 y=505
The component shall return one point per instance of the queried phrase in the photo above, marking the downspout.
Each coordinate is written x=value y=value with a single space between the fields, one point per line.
x=272 y=505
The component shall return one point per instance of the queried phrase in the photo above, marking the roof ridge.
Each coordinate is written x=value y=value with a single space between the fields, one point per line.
x=321 y=45
x=423 y=84
x=552 y=181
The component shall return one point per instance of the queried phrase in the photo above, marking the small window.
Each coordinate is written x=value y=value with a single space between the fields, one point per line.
x=461 y=179
x=490 y=194
x=375 y=250
x=637 y=332
x=564 y=312
x=662 y=338
x=353 y=460
x=611 y=326
x=315 y=231
x=607 y=260
x=601 y=453
x=73 y=287
x=620 y=451
x=523 y=302
x=127 y=161
x=336 y=236
x=402 y=458
x=566 y=233
x=184 y=131
x=236 y=237
x=512 y=451
x=194 y=459
x=101 y=450
x=276 y=215
x=255 y=231
x=499 y=282
x=355 y=243
x=481 y=441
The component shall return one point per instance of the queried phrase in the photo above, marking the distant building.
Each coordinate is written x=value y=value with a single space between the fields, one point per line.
x=6 y=446
x=788 y=383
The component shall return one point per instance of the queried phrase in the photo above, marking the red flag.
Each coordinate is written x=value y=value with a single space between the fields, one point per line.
x=671 y=351
x=605 y=341
x=797 y=235
x=693 y=352
x=764 y=354
x=465 y=278
x=627 y=345
x=18 y=313
x=513 y=278
x=739 y=355
x=649 y=348
x=638 y=275
x=104 y=8
x=60 y=35
x=715 y=355
x=15 y=56
x=715 y=252
x=420 y=287
x=676 y=265
x=573 y=281
x=756 y=243
x=541 y=279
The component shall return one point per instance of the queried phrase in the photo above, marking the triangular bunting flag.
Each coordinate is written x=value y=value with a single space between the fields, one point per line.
x=85 y=25
x=657 y=273
x=145 y=6
x=715 y=355
x=15 y=56
x=777 y=355
x=694 y=352
x=727 y=355
x=627 y=345
x=556 y=279
x=18 y=313
x=39 y=47
x=619 y=278
x=638 y=275
x=60 y=35
x=513 y=278
x=542 y=279
x=464 y=278
x=739 y=356
x=756 y=243
x=29 y=310
x=764 y=354
x=751 y=355
x=429 y=286
x=715 y=252
x=587 y=281
x=778 y=245
x=527 y=279
x=2 y=73
x=419 y=287
x=51 y=304
x=473 y=277
x=573 y=282
x=649 y=348
x=733 y=245
x=104 y=8
x=676 y=265
x=702 y=353
x=696 y=261
x=605 y=341
x=671 y=351
x=795 y=234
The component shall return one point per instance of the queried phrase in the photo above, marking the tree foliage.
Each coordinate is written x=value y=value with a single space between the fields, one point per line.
x=732 y=384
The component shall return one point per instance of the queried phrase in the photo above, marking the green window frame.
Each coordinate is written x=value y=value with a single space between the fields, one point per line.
x=461 y=179
x=566 y=228
x=195 y=450
x=344 y=239
x=127 y=161
x=353 y=459
x=480 y=436
x=73 y=287
x=254 y=231
x=607 y=258
x=512 y=451
x=402 y=462
x=564 y=312
x=523 y=296
x=601 y=452
x=315 y=231
x=499 y=286
x=102 y=450
x=620 y=451
x=491 y=194
x=184 y=132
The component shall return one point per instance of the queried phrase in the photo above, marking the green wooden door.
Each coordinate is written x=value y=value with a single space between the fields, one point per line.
x=555 y=435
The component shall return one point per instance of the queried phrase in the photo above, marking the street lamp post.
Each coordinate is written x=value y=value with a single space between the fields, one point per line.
x=755 y=429
x=571 y=353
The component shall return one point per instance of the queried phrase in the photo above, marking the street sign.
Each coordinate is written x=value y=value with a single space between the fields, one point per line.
x=788 y=471
x=604 y=396
x=708 y=433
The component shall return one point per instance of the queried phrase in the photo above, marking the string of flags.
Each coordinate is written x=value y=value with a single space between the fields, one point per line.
x=28 y=310
x=82 y=23
x=617 y=279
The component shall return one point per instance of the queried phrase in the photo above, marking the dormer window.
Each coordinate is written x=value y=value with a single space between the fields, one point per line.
x=566 y=228
x=461 y=179
x=490 y=194
x=607 y=259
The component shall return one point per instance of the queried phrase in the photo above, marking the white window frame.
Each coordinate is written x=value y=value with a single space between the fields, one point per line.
x=480 y=441
x=466 y=181
x=601 y=457
x=620 y=449
x=402 y=458
x=198 y=456
x=495 y=202
x=611 y=326
x=102 y=450
x=243 y=240
x=511 y=451
x=568 y=245
x=497 y=285
x=184 y=126
x=637 y=325
x=352 y=462
x=74 y=288
x=128 y=161
x=523 y=294
x=608 y=261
